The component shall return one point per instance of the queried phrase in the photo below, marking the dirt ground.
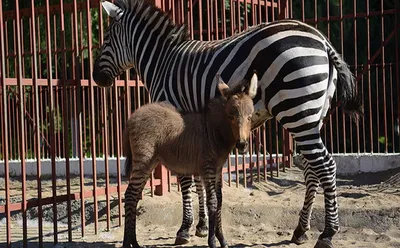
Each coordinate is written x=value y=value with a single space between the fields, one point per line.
x=261 y=216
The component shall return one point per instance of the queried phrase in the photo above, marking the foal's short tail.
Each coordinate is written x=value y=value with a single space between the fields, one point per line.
x=126 y=149
x=346 y=85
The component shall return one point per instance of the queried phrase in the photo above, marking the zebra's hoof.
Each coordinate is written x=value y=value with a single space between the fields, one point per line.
x=181 y=240
x=299 y=240
x=202 y=232
x=127 y=244
x=324 y=243
x=299 y=236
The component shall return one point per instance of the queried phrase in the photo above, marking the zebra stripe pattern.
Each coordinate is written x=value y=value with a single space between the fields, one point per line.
x=299 y=73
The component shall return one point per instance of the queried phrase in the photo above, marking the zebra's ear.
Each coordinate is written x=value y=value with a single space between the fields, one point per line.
x=112 y=10
x=252 y=90
x=223 y=87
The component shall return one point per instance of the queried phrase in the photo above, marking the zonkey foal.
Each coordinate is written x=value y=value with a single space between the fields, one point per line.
x=187 y=144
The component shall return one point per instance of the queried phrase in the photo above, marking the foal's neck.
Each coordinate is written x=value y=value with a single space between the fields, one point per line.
x=218 y=126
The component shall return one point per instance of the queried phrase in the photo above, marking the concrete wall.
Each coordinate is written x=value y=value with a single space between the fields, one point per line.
x=347 y=164
x=351 y=164
x=15 y=166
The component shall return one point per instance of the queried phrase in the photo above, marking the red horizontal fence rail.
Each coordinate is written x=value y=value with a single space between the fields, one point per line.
x=54 y=118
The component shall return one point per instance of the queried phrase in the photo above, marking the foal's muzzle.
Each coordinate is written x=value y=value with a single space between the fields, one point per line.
x=242 y=146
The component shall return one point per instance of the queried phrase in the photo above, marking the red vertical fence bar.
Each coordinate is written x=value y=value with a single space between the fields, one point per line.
x=369 y=78
x=37 y=123
x=258 y=154
x=118 y=154
x=92 y=115
x=277 y=148
x=5 y=129
x=106 y=165
x=21 y=126
x=356 y=64
x=250 y=157
x=397 y=60
x=383 y=76
x=237 y=168
x=80 y=113
x=377 y=108
x=392 y=108
x=265 y=163
x=65 y=123
x=51 y=120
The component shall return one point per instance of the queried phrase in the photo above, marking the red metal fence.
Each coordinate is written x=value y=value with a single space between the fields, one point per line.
x=52 y=110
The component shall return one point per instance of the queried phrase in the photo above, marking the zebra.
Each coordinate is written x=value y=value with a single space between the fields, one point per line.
x=298 y=68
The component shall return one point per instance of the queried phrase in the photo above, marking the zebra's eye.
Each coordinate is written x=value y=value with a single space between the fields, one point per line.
x=249 y=118
x=231 y=117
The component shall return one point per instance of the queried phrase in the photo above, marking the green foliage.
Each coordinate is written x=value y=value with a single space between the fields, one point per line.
x=58 y=124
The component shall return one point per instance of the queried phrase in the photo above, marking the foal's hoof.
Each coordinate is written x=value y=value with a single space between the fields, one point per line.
x=202 y=228
x=324 y=243
x=181 y=240
x=202 y=232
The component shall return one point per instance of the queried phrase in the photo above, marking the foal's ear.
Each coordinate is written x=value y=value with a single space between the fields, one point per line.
x=252 y=90
x=223 y=87
x=112 y=10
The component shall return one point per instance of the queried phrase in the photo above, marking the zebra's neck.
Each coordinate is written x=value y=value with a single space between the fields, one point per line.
x=153 y=35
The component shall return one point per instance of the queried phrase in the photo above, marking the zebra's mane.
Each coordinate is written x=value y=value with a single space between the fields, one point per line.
x=138 y=6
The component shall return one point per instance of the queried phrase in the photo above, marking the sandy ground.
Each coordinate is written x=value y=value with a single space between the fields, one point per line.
x=261 y=216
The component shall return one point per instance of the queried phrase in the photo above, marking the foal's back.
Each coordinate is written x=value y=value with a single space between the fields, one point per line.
x=160 y=133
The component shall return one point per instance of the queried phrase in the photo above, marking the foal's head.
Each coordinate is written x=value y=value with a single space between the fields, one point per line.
x=239 y=109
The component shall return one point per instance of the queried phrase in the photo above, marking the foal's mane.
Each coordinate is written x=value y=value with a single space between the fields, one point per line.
x=135 y=6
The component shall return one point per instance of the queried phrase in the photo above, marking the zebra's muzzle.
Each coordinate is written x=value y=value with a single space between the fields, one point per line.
x=102 y=79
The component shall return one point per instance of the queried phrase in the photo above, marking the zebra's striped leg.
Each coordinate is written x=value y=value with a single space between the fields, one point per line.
x=218 y=230
x=322 y=164
x=133 y=194
x=182 y=236
x=328 y=183
x=201 y=227
x=209 y=183
x=312 y=184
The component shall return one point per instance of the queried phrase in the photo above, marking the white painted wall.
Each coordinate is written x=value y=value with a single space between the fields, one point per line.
x=347 y=164
x=31 y=166
x=351 y=164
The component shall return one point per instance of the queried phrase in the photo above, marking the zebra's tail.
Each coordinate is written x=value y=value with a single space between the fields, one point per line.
x=346 y=85
x=126 y=149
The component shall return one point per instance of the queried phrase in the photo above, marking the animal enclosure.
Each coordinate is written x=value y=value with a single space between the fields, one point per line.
x=51 y=109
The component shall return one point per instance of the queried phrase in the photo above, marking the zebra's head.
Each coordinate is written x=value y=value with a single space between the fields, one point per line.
x=115 y=56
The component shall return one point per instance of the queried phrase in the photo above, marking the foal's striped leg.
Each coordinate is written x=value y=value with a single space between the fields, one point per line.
x=201 y=227
x=133 y=193
x=218 y=229
x=183 y=236
x=321 y=163
x=209 y=183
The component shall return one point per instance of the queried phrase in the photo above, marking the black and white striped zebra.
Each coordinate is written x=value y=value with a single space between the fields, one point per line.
x=298 y=68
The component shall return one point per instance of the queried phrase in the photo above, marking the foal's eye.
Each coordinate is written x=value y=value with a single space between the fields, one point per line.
x=231 y=117
x=249 y=118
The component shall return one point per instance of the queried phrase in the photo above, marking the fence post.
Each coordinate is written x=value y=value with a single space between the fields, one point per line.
x=160 y=172
x=282 y=9
x=288 y=146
